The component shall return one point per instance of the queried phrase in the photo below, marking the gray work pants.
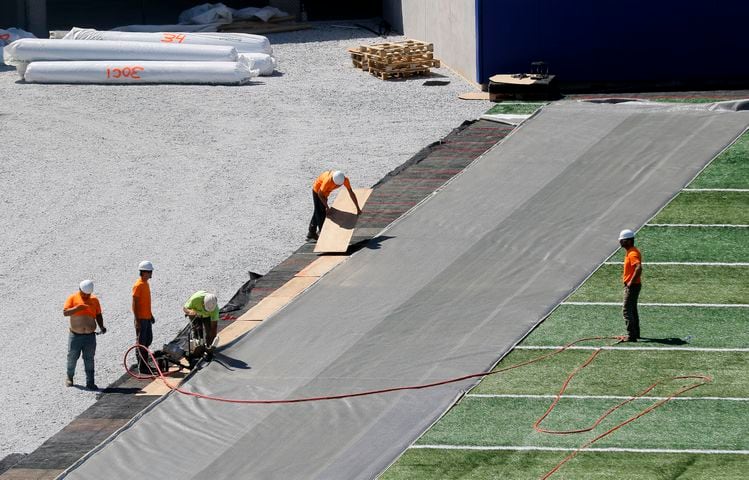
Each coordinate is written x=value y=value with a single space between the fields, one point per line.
x=82 y=343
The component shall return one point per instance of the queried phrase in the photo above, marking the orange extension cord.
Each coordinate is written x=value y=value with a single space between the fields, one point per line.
x=703 y=379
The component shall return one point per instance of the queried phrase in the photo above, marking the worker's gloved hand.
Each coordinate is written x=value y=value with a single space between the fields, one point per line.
x=103 y=330
x=153 y=320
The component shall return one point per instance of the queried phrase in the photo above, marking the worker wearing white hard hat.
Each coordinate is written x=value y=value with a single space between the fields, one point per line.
x=202 y=308
x=632 y=278
x=142 y=314
x=322 y=187
x=84 y=312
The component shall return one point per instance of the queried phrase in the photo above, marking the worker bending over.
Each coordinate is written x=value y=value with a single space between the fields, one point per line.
x=321 y=190
x=631 y=276
x=142 y=314
x=84 y=311
x=202 y=308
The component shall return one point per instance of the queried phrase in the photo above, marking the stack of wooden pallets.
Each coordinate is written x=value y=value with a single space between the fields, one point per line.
x=395 y=59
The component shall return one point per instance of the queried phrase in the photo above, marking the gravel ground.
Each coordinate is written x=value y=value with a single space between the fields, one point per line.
x=207 y=182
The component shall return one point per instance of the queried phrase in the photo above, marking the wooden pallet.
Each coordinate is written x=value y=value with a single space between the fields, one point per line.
x=395 y=59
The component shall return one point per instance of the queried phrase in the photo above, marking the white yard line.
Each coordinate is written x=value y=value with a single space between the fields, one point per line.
x=716 y=190
x=614 y=347
x=716 y=305
x=590 y=449
x=603 y=397
x=717 y=225
x=696 y=264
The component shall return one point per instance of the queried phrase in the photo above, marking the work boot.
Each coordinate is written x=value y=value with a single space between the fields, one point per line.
x=312 y=236
x=91 y=386
x=68 y=381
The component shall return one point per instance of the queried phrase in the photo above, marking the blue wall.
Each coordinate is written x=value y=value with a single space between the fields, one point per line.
x=615 y=41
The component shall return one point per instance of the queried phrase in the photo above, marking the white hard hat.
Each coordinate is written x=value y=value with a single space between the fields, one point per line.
x=87 y=287
x=209 y=302
x=146 y=266
x=626 y=234
x=338 y=177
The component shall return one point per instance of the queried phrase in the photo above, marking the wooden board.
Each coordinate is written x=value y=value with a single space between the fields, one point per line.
x=321 y=266
x=527 y=80
x=339 y=225
x=474 y=96
x=235 y=330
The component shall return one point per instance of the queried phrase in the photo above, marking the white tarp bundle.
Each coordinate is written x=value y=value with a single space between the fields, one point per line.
x=143 y=72
x=264 y=64
x=32 y=50
x=243 y=42
x=10 y=35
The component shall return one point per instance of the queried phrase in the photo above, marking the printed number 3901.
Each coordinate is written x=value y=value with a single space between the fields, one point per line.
x=127 y=72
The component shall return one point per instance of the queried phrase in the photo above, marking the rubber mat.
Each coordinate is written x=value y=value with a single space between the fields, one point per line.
x=459 y=281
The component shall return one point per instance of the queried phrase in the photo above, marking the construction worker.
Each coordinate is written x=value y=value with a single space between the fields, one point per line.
x=84 y=311
x=142 y=315
x=321 y=190
x=631 y=276
x=202 y=308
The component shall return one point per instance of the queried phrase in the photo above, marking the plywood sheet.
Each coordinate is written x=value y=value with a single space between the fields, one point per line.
x=264 y=309
x=293 y=287
x=339 y=226
x=474 y=96
x=321 y=266
x=235 y=330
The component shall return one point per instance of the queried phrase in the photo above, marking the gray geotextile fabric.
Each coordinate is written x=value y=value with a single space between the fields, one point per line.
x=448 y=291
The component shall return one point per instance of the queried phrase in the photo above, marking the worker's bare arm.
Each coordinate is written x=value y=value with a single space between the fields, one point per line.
x=100 y=322
x=72 y=311
x=356 y=200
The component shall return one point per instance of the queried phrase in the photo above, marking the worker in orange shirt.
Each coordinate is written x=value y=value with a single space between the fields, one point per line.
x=142 y=314
x=321 y=190
x=84 y=311
x=631 y=276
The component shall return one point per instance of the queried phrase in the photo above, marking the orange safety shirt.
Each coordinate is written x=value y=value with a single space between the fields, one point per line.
x=631 y=259
x=142 y=297
x=92 y=304
x=324 y=184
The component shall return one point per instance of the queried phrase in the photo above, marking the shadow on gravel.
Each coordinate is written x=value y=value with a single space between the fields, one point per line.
x=331 y=31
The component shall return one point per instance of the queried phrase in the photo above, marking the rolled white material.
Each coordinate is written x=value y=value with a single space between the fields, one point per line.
x=32 y=50
x=140 y=72
x=211 y=27
x=264 y=64
x=243 y=42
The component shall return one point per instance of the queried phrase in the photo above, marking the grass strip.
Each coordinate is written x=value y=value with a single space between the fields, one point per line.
x=514 y=108
x=706 y=208
x=621 y=373
x=670 y=284
x=705 y=327
x=729 y=170
x=703 y=424
x=429 y=464
x=688 y=244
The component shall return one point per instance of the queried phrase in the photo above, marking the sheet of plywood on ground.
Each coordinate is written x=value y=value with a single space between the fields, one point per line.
x=264 y=309
x=339 y=225
x=236 y=330
x=474 y=96
x=30 y=474
x=321 y=266
x=158 y=387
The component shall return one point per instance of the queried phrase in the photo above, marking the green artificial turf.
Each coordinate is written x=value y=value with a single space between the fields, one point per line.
x=679 y=424
x=691 y=244
x=514 y=108
x=706 y=208
x=711 y=327
x=729 y=170
x=670 y=284
x=620 y=373
x=433 y=464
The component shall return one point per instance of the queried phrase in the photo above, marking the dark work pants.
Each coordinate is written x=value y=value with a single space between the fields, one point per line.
x=145 y=337
x=318 y=217
x=629 y=310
